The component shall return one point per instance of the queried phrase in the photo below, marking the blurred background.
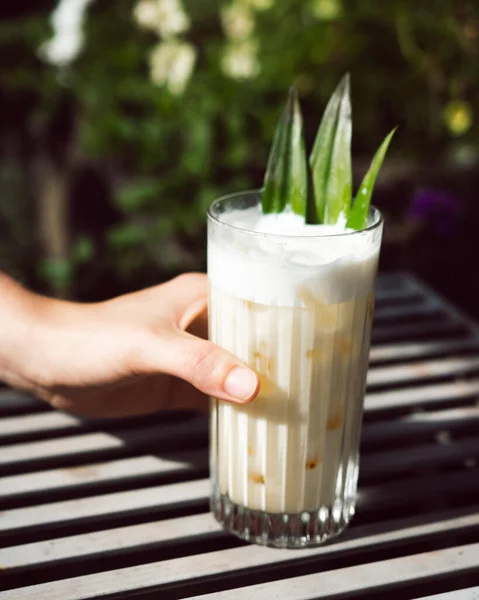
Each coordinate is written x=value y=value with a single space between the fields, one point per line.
x=121 y=120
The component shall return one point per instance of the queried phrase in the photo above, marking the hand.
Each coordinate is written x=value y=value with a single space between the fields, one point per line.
x=134 y=354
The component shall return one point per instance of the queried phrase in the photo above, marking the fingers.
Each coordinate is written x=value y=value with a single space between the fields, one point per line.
x=205 y=365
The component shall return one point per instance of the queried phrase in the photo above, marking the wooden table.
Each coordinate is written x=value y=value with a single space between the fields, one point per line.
x=119 y=509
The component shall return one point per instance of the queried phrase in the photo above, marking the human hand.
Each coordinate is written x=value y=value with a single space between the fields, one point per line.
x=135 y=354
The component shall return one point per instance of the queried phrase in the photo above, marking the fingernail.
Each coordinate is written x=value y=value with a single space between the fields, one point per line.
x=241 y=383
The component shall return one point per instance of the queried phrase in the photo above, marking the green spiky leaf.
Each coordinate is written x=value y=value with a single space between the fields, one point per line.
x=358 y=217
x=330 y=160
x=286 y=179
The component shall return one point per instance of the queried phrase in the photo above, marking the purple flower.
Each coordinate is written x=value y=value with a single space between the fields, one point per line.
x=436 y=208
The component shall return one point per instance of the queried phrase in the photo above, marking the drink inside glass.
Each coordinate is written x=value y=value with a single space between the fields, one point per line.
x=295 y=302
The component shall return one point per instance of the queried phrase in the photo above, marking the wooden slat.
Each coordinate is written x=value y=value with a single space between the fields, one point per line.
x=86 y=475
x=468 y=594
x=422 y=396
x=104 y=505
x=98 y=442
x=384 y=575
x=418 y=371
x=29 y=427
x=44 y=421
x=225 y=562
x=123 y=539
x=87 y=443
x=392 y=352
x=203 y=526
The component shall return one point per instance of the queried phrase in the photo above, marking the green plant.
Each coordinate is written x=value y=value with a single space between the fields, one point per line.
x=331 y=159
x=358 y=216
x=286 y=178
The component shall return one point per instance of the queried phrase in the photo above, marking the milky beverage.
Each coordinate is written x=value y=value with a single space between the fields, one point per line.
x=295 y=302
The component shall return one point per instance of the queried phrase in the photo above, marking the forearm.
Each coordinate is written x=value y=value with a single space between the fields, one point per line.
x=20 y=312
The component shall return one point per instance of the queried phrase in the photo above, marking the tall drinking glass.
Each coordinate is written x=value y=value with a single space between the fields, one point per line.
x=298 y=310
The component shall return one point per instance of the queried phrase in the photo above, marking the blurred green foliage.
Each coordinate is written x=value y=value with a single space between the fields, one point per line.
x=167 y=141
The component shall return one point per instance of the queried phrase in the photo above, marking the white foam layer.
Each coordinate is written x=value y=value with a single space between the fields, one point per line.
x=285 y=223
x=299 y=265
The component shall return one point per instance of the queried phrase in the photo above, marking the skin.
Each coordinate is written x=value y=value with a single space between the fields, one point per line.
x=134 y=354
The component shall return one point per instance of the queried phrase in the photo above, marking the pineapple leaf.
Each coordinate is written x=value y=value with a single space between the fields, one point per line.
x=286 y=178
x=358 y=217
x=330 y=159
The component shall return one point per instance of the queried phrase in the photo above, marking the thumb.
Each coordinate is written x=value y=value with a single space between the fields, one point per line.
x=208 y=367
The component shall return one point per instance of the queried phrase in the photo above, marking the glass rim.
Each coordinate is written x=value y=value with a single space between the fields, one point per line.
x=377 y=223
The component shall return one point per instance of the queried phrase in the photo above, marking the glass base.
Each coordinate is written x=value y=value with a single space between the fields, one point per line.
x=301 y=530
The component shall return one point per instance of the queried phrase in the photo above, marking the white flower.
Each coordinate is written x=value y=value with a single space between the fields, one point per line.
x=172 y=63
x=145 y=14
x=172 y=19
x=240 y=60
x=237 y=21
x=67 y=22
x=167 y=17
x=326 y=10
